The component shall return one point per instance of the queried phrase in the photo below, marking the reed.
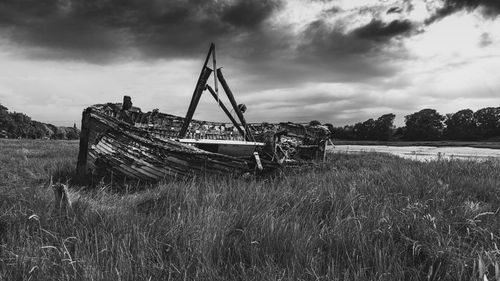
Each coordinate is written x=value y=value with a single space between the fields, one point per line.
x=358 y=217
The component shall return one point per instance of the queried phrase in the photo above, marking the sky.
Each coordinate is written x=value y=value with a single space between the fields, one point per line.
x=336 y=61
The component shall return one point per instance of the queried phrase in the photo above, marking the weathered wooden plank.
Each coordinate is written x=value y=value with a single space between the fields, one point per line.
x=114 y=164
x=130 y=170
x=134 y=166
x=141 y=163
x=118 y=167
x=157 y=159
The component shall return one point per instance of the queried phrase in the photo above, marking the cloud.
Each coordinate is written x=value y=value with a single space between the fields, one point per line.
x=336 y=42
x=94 y=30
x=360 y=54
x=485 y=40
x=248 y=13
x=338 y=61
x=394 y=10
x=109 y=31
x=378 y=30
x=489 y=8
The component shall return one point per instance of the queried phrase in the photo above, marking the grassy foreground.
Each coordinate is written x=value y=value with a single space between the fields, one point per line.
x=359 y=217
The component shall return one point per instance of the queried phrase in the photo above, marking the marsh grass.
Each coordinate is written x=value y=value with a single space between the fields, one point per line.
x=358 y=217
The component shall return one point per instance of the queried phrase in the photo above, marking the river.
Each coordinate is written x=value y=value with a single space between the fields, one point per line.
x=423 y=153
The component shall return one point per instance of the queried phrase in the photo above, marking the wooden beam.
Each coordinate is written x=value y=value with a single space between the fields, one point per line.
x=257 y=161
x=214 y=61
x=224 y=108
x=194 y=103
x=210 y=50
x=248 y=135
x=81 y=165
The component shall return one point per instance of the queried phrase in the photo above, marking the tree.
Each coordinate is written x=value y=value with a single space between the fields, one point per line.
x=364 y=131
x=380 y=129
x=72 y=133
x=384 y=127
x=314 y=123
x=330 y=127
x=399 y=134
x=461 y=125
x=60 y=133
x=5 y=119
x=53 y=131
x=37 y=130
x=343 y=133
x=427 y=124
x=20 y=125
x=488 y=122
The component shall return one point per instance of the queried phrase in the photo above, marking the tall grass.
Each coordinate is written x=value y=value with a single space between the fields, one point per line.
x=358 y=217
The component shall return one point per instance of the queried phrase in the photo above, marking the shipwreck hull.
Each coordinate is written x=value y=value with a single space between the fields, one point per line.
x=119 y=138
x=111 y=145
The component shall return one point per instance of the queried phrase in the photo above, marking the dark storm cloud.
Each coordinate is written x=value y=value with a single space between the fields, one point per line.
x=365 y=39
x=248 y=13
x=93 y=29
x=490 y=8
x=101 y=31
x=378 y=30
x=394 y=10
x=319 y=38
x=337 y=45
x=325 y=53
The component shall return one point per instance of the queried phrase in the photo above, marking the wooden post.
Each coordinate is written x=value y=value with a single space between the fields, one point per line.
x=215 y=75
x=224 y=108
x=194 y=102
x=257 y=161
x=324 y=150
x=62 y=204
x=234 y=104
x=192 y=105
x=81 y=165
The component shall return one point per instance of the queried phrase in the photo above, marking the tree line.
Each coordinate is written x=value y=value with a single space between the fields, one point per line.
x=426 y=125
x=19 y=125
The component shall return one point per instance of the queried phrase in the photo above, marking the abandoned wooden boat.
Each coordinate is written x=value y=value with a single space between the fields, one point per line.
x=120 y=139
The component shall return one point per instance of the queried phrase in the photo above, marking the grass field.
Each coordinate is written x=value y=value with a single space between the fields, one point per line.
x=358 y=217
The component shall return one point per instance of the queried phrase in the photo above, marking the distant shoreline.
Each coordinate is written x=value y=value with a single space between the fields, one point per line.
x=475 y=144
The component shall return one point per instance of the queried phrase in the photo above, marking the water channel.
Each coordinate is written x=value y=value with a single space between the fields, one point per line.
x=423 y=153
